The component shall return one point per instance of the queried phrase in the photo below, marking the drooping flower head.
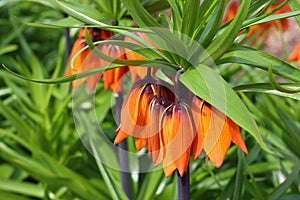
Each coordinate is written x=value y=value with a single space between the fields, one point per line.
x=135 y=117
x=87 y=60
x=173 y=128
x=264 y=28
x=215 y=132
x=95 y=34
x=177 y=134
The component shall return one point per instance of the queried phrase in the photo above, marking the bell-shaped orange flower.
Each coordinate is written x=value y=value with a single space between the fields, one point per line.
x=135 y=113
x=95 y=34
x=177 y=135
x=136 y=119
x=157 y=106
x=295 y=54
x=215 y=131
x=87 y=60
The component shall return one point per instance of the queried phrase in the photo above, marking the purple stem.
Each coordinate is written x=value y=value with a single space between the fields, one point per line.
x=183 y=186
x=68 y=41
x=123 y=155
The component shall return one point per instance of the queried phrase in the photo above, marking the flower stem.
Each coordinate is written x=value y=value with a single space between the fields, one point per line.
x=123 y=156
x=183 y=186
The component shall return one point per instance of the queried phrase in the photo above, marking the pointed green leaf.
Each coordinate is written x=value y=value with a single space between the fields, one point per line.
x=139 y=14
x=257 y=58
x=269 y=89
x=295 y=6
x=225 y=39
x=81 y=12
x=275 y=17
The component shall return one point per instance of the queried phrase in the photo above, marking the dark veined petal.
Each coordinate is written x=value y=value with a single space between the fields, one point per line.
x=157 y=108
x=177 y=136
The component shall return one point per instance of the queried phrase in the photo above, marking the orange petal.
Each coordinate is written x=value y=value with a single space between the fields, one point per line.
x=236 y=137
x=197 y=145
x=177 y=136
x=156 y=110
x=92 y=61
x=295 y=54
x=169 y=169
x=167 y=134
x=231 y=11
x=217 y=137
x=120 y=136
x=136 y=109
x=184 y=138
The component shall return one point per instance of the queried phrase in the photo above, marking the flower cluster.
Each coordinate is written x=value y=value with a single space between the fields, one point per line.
x=87 y=60
x=262 y=29
x=173 y=125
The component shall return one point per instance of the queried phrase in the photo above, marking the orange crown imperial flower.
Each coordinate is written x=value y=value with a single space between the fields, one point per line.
x=263 y=28
x=214 y=133
x=176 y=135
x=87 y=60
x=173 y=129
x=135 y=117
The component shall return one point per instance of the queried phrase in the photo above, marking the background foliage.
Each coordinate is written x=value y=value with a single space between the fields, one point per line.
x=42 y=156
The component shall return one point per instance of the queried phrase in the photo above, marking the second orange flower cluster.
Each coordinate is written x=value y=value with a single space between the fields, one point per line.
x=172 y=127
x=87 y=60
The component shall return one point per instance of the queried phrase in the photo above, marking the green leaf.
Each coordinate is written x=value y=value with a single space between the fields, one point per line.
x=286 y=184
x=295 y=6
x=61 y=23
x=112 y=183
x=46 y=168
x=275 y=17
x=18 y=123
x=190 y=11
x=11 y=196
x=214 y=22
x=81 y=12
x=253 y=57
x=269 y=89
x=24 y=188
x=8 y=49
x=150 y=185
x=209 y=85
x=139 y=14
x=156 y=5
x=225 y=39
